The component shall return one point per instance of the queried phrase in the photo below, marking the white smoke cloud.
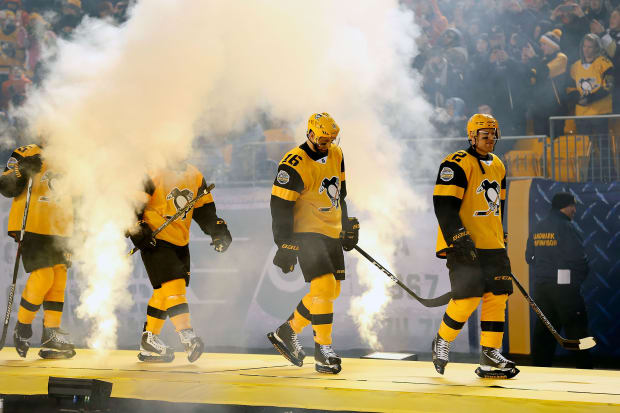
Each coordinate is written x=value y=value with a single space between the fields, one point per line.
x=119 y=100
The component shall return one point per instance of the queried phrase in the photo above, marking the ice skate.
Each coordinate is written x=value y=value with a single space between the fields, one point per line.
x=326 y=360
x=21 y=337
x=153 y=350
x=194 y=345
x=495 y=366
x=441 y=351
x=285 y=340
x=56 y=344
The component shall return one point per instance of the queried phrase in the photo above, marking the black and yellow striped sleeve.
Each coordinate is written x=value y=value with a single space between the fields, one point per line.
x=287 y=187
x=448 y=194
x=12 y=183
x=288 y=183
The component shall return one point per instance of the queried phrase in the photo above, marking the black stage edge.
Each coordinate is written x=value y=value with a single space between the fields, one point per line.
x=46 y=404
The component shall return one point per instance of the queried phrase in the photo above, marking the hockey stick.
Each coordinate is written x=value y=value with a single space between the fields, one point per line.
x=180 y=212
x=9 y=306
x=581 y=344
x=426 y=302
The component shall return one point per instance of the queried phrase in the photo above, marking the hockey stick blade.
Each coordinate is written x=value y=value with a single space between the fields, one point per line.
x=426 y=302
x=581 y=344
x=180 y=212
x=586 y=343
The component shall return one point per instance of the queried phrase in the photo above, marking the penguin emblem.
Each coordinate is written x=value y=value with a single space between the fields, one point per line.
x=491 y=195
x=180 y=198
x=588 y=85
x=50 y=178
x=331 y=187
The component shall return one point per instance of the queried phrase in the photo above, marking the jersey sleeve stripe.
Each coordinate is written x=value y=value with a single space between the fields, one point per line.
x=449 y=190
x=284 y=193
x=288 y=178
x=451 y=173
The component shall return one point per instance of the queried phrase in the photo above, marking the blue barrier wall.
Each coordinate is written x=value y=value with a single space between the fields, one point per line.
x=598 y=222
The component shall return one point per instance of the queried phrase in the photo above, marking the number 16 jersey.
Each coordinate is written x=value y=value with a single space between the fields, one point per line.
x=315 y=183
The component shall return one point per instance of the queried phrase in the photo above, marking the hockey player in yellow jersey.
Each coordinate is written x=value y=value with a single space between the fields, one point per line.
x=166 y=257
x=468 y=200
x=310 y=224
x=45 y=253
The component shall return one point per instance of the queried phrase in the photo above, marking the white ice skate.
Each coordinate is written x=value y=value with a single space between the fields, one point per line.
x=154 y=350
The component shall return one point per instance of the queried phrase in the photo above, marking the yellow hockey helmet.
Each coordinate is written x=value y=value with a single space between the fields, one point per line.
x=481 y=121
x=323 y=125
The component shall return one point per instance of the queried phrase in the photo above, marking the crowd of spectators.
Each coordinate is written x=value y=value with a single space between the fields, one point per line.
x=520 y=60
x=30 y=28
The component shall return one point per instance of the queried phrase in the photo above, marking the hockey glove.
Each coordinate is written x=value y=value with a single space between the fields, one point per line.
x=142 y=236
x=220 y=236
x=350 y=234
x=30 y=165
x=464 y=248
x=286 y=256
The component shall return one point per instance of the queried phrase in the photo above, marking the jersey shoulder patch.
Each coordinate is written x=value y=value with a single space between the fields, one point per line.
x=446 y=173
x=283 y=177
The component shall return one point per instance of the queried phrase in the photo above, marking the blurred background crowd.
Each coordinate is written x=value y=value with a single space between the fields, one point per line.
x=30 y=29
x=519 y=60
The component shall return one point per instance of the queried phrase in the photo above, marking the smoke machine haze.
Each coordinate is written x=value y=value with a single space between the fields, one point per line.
x=119 y=101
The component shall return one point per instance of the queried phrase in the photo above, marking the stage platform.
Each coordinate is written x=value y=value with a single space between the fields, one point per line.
x=363 y=385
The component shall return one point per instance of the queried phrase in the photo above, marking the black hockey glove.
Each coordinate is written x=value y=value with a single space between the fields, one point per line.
x=286 y=256
x=463 y=247
x=142 y=236
x=220 y=236
x=350 y=234
x=30 y=165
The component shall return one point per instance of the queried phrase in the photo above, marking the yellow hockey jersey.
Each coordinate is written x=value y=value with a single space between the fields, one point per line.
x=49 y=212
x=468 y=193
x=314 y=183
x=169 y=192
x=589 y=79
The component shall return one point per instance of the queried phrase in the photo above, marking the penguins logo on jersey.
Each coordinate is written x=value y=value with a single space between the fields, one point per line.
x=588 y=85
x=331 y=187
x=180 y=198
x=491 y=195
x=49 y=177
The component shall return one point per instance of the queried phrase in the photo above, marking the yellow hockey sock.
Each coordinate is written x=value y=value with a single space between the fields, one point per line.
x=492 y=319
x=323 y=293
x=38 y=284
x=301 y=316
x=54 y=300
x=176 y=304
x=155 y=312
x=456 y=315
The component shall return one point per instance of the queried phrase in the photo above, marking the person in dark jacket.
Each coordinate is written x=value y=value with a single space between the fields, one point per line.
x=558 y=266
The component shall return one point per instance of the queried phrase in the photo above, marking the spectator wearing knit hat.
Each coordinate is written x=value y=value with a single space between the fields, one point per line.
x=559 y=266
x=546 y=75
